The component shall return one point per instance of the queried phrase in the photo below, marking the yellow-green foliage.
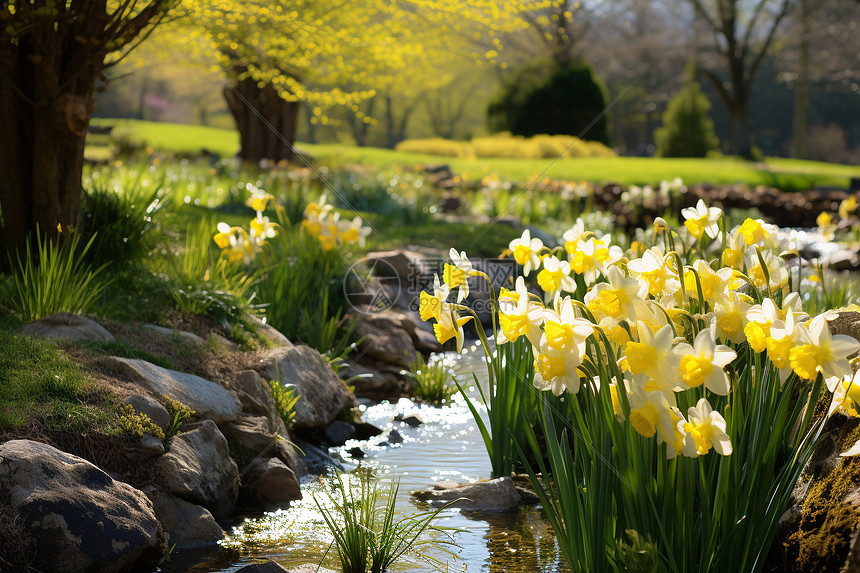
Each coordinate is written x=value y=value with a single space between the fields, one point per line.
x=509 y=146
x=179 y=413
x=828 y=519
x=138 y=424
x=285 y=401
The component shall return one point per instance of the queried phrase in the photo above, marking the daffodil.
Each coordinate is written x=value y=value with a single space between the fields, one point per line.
x=352 y=232
x=526 y=251
x=258 y=200
x=847 y=206
x=648 y=411
x=846 y=396
x=656 y=268
x=563 y=330
x=619 y=297
x=557 y=370
x=704 y=361
x=574 y=235
x=777 y=272
x=714 y=284
x=704 y=429
x=733 y=253
x=519 y=316
x=760 y=317
x=820 y=351
x=555 y=276
x=701 y=219
x=783 y=336
x=262 y=229
x=652 y=355
x=430 y=306
x=450 y=325
x=755 y=232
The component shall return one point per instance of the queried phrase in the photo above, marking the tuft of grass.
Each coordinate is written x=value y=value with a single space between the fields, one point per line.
x=54 y=278
x=432 y=379
x=285 y=398
x=368 y=535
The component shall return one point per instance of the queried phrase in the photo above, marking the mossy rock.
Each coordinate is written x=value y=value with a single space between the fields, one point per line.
x=821 y=535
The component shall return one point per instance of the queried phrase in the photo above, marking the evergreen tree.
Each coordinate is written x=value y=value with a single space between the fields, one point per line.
x=687 y=130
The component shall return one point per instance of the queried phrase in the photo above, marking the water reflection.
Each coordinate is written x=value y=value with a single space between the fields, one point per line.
x=447 y=446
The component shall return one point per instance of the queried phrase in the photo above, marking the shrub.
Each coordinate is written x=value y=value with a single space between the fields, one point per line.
x=687 y=130
x=56 y=278
x=119 y=219
x=434 y=146
x=513 y=146
x=569 y=101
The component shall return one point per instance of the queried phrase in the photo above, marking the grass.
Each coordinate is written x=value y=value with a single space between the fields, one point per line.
x=37 y=380
x=433 y=382
x=787 y=174
x=368 y=535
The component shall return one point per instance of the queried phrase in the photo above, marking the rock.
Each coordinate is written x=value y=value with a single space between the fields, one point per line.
x=197 y=468
x=208 y=399
x=412 y=421
x=366 y=402
x=269 y=484
x=180 y=335
x=186 y=524
x=385 y=339
x=151 y=446
x=356 y=453
x=338 y=432
x=425 y=341
x=143 y=404
x=270 y=333
x=365 y=431
x=81 y=518
x=377 y=380
x=253 y=434
x=258 y=391
x=394 y=437
x=491 y=495
x=406 y=266
x=323 y=394
x=819 y=534
x=843 y=260
x=317 y=460
x=445 y=485
x=65 y=326
x=310 y=568
x=847 y=323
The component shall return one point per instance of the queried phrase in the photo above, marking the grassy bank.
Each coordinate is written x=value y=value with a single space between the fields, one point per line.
x=786 y=174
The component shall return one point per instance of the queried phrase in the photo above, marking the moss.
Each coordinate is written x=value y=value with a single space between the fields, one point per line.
x=823 y=536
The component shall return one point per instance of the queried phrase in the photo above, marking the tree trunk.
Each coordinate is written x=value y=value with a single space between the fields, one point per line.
x=266 y=122
x=801 y=90
x=43 y=123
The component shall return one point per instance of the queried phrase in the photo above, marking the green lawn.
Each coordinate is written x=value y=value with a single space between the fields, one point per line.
x=786 y=174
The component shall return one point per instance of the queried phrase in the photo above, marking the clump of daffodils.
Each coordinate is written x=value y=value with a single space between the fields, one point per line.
x=238 y=244
x=326 y=225
x=683 y=321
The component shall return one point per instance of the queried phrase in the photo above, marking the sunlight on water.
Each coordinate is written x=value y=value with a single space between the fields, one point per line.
x=447 y=446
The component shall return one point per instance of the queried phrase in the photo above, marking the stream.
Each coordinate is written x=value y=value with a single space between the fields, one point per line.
x=447 y=446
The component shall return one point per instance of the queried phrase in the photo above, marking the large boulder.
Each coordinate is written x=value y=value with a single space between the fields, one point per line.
x=186 y=524
x=274 y=336
x=65 y=326
x=492 y=495
x=385 y=338
x=252 y=433
x=81 y=518
x=208 y=399
x=323 y=394
x=269 y=484
x=198 y=468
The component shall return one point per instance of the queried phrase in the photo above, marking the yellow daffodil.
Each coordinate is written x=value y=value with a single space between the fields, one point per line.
x=520 y=317
x=653 y=356
x=619 y=297
x=759 y=320
x=555 y=276
x=701 y=220
x=557 y=370
x=563 y=331
x=574 y=235
x=656 y=268
x=526 y=252
x=847 y=206
x=819 y=351
x=703 y=363
x=705 y=429
x=258 y=200
x=648 y=411
x=733 y=253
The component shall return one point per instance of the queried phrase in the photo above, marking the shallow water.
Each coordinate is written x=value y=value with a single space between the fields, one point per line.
x=447 y=446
